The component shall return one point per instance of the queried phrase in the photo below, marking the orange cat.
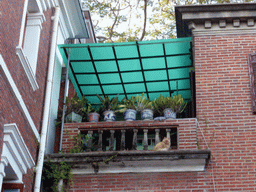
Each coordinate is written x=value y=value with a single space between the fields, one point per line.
x=163 y=146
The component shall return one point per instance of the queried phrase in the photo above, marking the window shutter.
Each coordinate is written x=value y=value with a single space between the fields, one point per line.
x=252 y=74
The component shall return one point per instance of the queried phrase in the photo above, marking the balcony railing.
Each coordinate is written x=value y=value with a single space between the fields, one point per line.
x=121 y=146
x=127 y=138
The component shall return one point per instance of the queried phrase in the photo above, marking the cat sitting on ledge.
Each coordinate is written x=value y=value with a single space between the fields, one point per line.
x=163 y=146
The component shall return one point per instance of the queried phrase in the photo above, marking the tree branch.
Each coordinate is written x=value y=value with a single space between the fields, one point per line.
x=145 y=21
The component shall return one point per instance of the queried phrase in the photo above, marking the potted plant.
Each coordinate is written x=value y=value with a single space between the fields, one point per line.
x=93 y=113
x=159 y=106
x=128 y=107
x=169 y=106
x=76 y=109
x=108 y=107
x=145 y=107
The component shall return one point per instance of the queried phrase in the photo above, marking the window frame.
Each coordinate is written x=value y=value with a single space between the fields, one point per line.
x=30 y=68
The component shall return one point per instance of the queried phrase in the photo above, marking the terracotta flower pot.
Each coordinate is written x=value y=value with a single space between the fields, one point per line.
x=93 y=117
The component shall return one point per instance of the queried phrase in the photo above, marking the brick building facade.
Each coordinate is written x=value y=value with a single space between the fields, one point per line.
x=30 y=31
x=224 y=38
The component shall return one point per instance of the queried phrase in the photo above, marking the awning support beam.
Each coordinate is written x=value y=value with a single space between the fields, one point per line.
x=64 y=100
x=141 y=65
x=96 y=73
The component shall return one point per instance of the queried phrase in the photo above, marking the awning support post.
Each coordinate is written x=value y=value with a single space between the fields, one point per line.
x=64 y=100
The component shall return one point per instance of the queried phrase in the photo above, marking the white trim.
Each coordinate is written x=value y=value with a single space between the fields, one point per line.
x=23 y=23
x=15 y=153
x=27 y=68
x=18 y=97
x=63 y=27
x=43 y=5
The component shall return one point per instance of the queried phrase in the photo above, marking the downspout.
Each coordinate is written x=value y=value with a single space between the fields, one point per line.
x=39 y=167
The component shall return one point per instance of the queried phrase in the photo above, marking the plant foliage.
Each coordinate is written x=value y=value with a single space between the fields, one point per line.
x=143 y=103
x=53 y=173
x=107 y=103
x=176 y=103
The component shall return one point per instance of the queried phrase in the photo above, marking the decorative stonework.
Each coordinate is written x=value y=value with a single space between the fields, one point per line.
x=216 y=19
x=15 y=155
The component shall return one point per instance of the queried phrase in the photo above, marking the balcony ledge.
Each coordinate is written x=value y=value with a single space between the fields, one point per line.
x=134 y=161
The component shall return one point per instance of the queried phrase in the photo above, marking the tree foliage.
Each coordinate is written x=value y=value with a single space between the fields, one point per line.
x=137 y=20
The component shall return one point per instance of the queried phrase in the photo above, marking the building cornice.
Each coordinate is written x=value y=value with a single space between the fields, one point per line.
x=215 y=19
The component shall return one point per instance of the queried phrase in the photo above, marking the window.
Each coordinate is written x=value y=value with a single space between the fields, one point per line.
x=252 y=73
x=27 y=50
x=12 y=187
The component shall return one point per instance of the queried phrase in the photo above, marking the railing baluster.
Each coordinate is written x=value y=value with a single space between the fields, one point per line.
x=112 y=140
x=134 y=141
x=123 y=140
x=89 y=143
x=157 y=138
x=168 y=135
x=100 y=140
x=145 y=139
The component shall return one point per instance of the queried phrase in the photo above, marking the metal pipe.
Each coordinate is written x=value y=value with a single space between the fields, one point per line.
x=47 y=104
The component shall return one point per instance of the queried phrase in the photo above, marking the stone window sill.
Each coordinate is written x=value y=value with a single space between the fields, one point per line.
x=27 y=68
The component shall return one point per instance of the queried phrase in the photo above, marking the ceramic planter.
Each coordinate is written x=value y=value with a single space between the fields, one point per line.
x=169 y=114
x=147 y=114
x=73 y=118
x=130 y=115
x=109 y=115
x=93 y=117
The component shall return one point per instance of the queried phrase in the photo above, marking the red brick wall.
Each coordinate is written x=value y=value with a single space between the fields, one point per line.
x=223 y=97
x=226 y=124
x=10 y=112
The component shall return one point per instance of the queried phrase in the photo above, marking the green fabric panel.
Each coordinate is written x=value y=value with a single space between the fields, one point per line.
x=91 y=90
x=87 y=79
x=132 y=77
x=79 y=54
x=105 y=66
x=151 y=50
x=83 y=67
x=155 y=75
x=129 y=65
x=153 y=63
x=177 y=48
x=102 y=53
x=138 y=87
x=182 y=84
x=179 y=61
x=109 y=78
x=178 y=73
x=92 y=99
x=113 y=89
x=126 y=52
x=157 y=86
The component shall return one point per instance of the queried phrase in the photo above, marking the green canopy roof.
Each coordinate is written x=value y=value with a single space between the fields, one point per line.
x=153 y=67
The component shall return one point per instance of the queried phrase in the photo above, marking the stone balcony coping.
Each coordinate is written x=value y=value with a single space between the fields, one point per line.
x=135 y=161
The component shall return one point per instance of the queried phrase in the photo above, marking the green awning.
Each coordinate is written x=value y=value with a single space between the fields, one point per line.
x=153 y=67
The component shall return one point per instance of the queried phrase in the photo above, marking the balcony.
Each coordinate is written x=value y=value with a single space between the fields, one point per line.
x=126 y=146
x=163 y=67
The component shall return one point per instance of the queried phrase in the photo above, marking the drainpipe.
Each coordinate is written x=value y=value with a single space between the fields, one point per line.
x=39 y=167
